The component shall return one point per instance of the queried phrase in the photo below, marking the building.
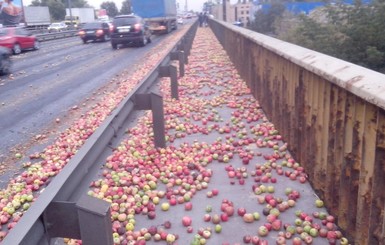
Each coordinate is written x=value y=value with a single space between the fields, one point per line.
x=239 y=12
x=217 y=11
x=243 y=11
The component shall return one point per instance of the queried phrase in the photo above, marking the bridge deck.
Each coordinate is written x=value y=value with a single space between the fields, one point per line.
x=221 y=149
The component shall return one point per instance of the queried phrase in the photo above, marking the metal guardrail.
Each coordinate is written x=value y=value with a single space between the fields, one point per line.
x=56 y=35
x=61 y=211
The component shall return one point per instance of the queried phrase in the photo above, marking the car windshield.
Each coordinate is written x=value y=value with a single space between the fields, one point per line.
x=125 y=21
x=92 y=25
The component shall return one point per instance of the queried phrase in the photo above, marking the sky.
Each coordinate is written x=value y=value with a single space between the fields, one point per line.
x=195 y=5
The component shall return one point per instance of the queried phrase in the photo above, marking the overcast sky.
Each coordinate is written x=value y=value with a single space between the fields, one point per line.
x=195 y=5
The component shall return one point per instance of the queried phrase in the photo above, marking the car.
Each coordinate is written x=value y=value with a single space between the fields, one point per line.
x=187 y=16
x=57 y=27
x=95 y=31
x=5 y=61
x=180 y=21
x=18 y=39
x=238 y=23
x=109 y=23
x=128 y=29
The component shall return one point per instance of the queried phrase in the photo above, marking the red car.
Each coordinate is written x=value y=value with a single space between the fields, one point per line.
x=18 y=39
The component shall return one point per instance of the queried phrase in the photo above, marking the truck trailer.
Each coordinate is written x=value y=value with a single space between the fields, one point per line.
x=79 y=16
x=160 y=15
x=36 y=17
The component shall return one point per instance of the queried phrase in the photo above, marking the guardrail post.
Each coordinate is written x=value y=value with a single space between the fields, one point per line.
x=154 y=102
x=171 y=71
x=89 y=220
x=179 y=55
x=61 y=220
x=186 y=41
x=183 y=47
x=95 y=221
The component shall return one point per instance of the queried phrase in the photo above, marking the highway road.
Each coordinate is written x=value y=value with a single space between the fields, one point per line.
x=50 y=86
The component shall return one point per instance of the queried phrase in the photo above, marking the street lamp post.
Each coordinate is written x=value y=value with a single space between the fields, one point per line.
x=70 y=11
x=224 y=10
x=185 y=6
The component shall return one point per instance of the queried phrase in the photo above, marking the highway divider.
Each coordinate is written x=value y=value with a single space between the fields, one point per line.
x=56 y=35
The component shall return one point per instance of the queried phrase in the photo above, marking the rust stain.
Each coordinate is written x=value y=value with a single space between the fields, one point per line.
x=308 y=56
x=341 y=69
x=352 y=81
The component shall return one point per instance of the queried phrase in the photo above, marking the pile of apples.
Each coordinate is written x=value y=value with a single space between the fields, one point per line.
x=215 y=122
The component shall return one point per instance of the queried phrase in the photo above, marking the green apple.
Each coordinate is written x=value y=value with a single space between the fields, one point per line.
x=218 y=228
x=319 y=203
x=256 y=215
x=165 y=206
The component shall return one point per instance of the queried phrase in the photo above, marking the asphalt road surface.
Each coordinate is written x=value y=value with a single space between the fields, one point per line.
x=46 y=84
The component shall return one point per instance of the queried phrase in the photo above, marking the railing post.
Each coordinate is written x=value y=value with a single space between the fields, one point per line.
x=95 y=221
x=89 y=220
x=155 y=103
x=171 y=71
x=158 y=120
x=183 y=47
x=179 y=55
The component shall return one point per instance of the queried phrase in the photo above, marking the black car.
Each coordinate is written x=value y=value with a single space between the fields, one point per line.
x=5 y=61
x=95 y=31
x=127 y=29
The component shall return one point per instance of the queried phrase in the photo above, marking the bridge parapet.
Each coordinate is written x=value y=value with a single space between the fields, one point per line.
x=332 y=115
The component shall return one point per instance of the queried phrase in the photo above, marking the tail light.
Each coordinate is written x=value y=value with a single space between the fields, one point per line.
x=99 y=32
x=82 y=33
x=111 y=27
x=138 y=27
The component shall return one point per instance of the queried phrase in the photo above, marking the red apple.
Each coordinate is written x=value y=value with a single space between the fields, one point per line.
x=188 y=206
x=224 y=217
x=186 y=221
x=241 y=211
x=229 y=210
x=255 y=240
x=215 y=192
x=247 y=239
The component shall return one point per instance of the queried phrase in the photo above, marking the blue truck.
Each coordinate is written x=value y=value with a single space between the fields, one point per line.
x=160 y=15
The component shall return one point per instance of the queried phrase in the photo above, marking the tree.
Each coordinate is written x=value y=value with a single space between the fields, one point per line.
x=35 y=3
x=207 y=6
x=265 y=19
x=56 y=8
x=76 y=3
x=111 y=8
x=316 y=36
x=126 y=7
x=355 y=33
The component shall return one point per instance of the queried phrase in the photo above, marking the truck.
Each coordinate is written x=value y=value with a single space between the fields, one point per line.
x=36 y=17
x=77 y=16
x=160 y=15
x=101 y=14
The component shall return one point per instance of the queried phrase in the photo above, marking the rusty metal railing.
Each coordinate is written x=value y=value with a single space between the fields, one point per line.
x=331 y=113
